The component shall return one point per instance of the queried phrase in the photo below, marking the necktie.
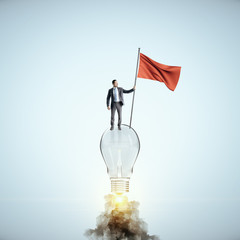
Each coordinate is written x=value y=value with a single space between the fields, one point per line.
x=115 y=94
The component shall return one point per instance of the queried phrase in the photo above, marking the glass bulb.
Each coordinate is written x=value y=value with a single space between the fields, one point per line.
x=120 y=149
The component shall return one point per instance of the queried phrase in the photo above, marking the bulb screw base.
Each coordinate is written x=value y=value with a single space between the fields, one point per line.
x=120 y=185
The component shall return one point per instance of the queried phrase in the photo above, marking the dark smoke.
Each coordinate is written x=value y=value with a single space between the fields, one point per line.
x=120 y=221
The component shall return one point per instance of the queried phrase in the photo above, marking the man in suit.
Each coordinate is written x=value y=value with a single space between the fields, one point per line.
x=117 y=101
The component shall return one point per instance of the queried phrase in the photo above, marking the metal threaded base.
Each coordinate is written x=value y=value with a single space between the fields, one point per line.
x=120 y=185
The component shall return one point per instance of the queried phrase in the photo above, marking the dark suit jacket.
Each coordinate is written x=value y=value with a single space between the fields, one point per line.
x=120 y=94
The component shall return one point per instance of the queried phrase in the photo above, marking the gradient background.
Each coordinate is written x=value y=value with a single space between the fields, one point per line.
x=58 y=59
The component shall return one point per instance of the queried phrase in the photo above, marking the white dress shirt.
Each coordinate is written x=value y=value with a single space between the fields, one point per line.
x=115 y=96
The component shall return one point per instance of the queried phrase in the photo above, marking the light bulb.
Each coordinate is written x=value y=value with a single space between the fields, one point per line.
x=119 y=150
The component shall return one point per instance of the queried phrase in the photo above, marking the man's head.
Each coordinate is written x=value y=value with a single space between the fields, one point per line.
x=114 y=83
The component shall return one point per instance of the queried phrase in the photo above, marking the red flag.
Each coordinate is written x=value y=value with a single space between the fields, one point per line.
x=156 y=71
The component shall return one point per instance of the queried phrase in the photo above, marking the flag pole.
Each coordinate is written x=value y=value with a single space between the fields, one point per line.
x=135 y=89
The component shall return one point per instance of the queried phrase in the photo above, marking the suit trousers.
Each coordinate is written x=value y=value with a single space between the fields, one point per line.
x=118 y=106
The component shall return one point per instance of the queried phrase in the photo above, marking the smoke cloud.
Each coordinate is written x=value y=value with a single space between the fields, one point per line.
x=120 y=221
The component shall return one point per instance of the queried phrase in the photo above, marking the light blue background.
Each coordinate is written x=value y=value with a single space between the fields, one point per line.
x=58 y=59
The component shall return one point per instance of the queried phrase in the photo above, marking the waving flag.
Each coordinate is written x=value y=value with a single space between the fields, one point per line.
x=153 y=70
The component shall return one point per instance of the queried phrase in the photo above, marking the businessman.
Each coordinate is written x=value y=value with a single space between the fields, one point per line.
x=117 y=101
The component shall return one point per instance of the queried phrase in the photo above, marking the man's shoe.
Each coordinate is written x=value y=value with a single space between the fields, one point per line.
x=119 y=128
x=111 y=128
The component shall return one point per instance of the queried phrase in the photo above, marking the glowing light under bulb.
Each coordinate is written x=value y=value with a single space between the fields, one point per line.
x=118 y=199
